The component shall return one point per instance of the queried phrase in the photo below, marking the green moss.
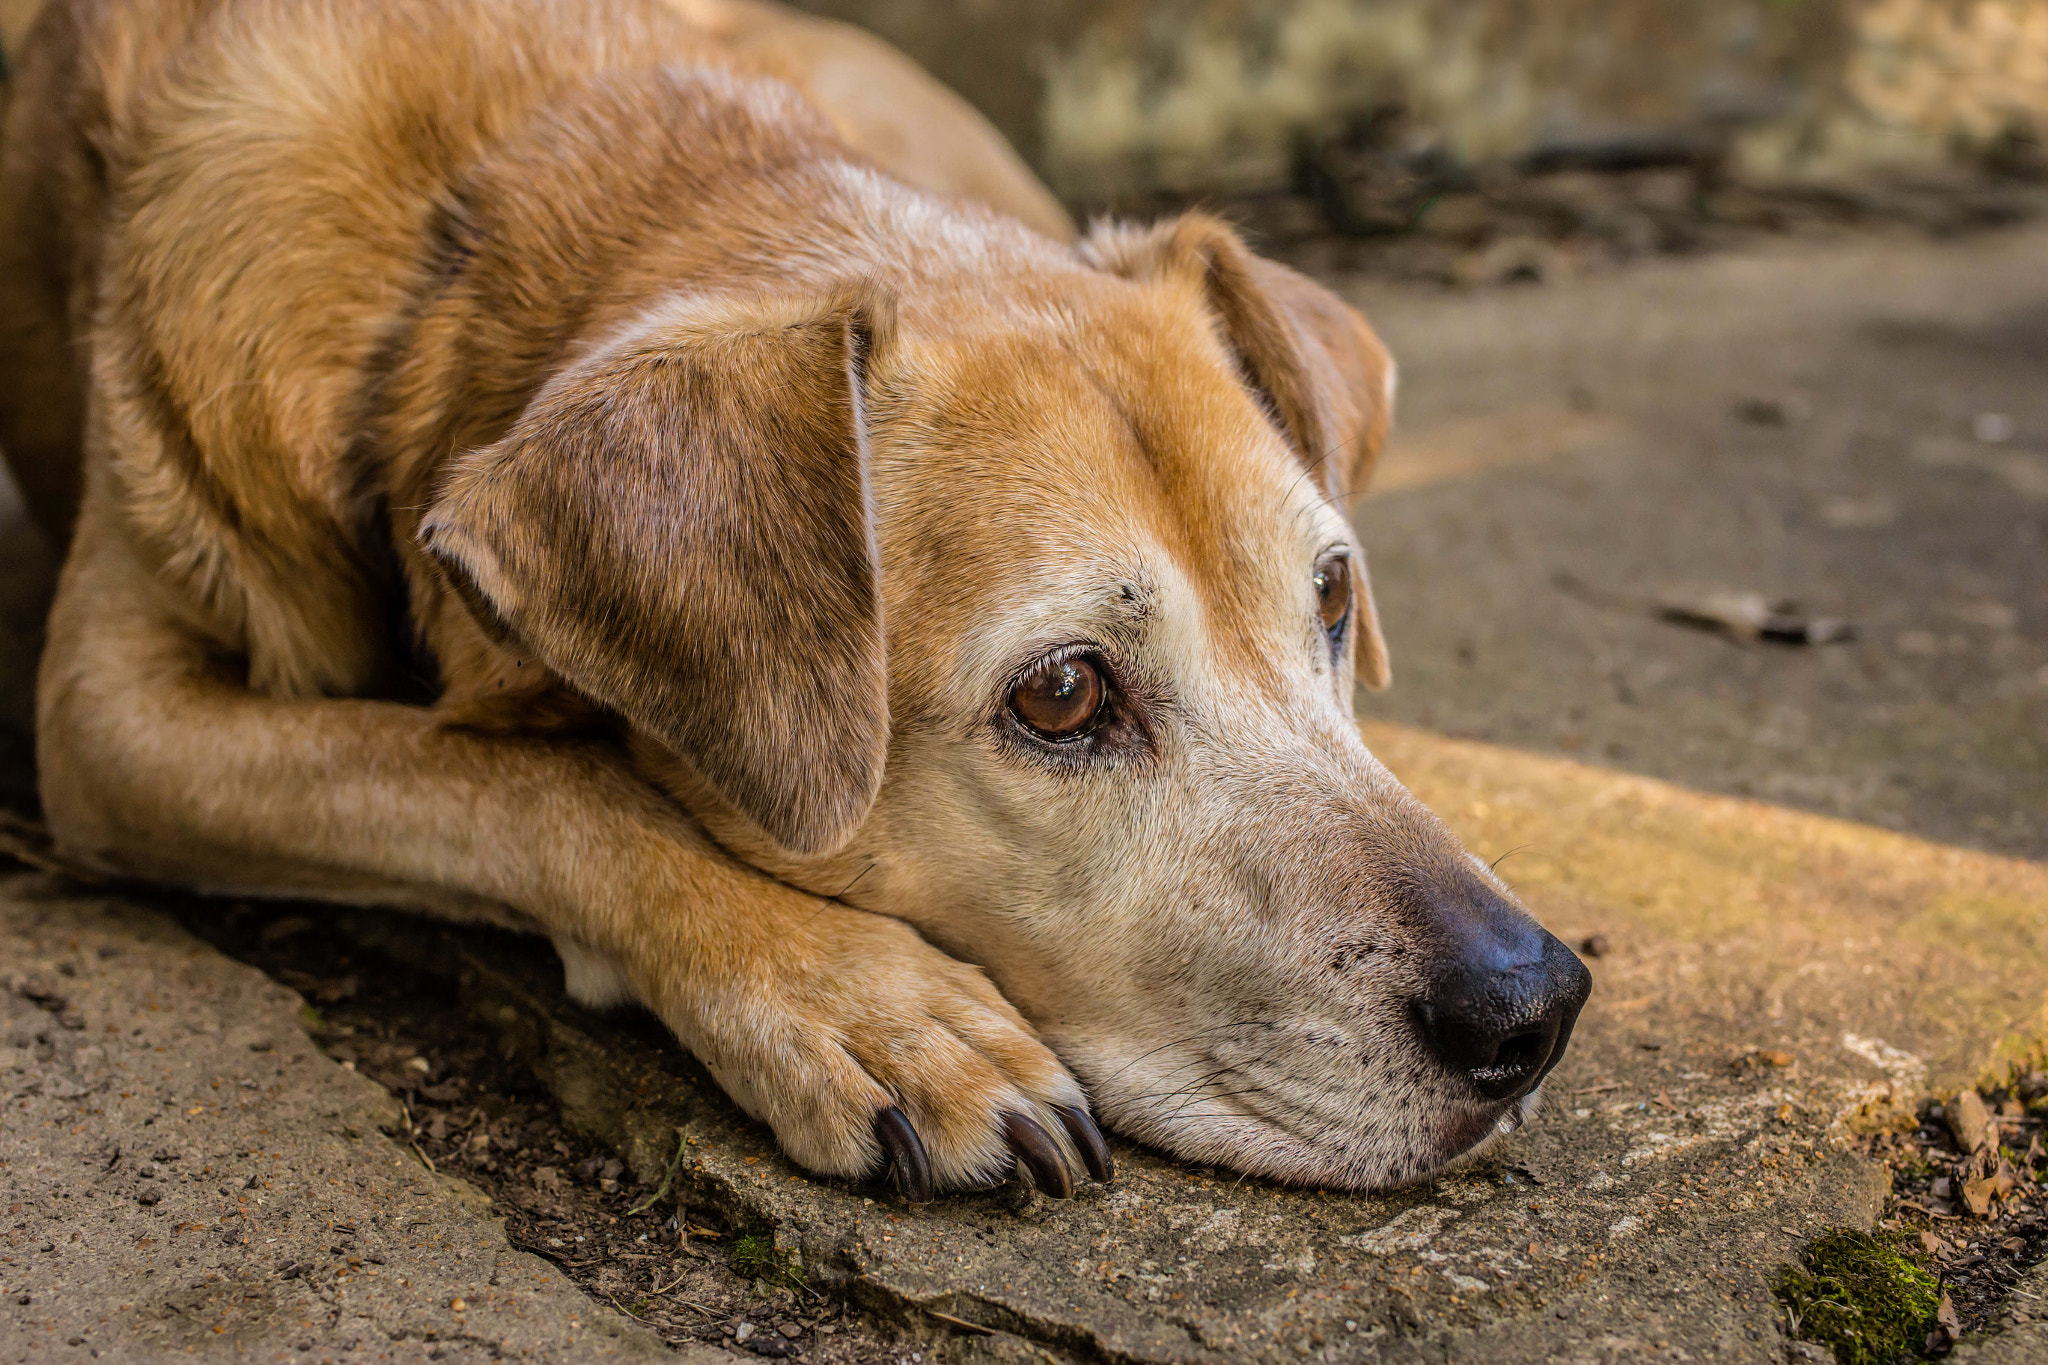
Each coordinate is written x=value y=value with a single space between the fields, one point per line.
x=754 y=1256
x=1861 y=1296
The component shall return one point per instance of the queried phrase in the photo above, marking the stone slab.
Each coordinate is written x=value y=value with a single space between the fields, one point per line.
x=183 y=1174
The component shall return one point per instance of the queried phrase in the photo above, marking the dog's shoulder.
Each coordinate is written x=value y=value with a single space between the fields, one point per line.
x=272 y=172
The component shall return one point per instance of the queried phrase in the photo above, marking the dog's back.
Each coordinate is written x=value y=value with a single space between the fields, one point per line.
x=260 y=95
x=328 y=136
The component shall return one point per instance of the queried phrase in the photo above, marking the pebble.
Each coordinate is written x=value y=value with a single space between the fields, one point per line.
x=1595 y=945
x=1865 y=513
x=1992 y=428
x=1774 y=412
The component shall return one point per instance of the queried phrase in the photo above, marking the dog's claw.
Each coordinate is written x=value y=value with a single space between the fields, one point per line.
x=1088 y=1138
x=906 y=1155
x=1040 y=1155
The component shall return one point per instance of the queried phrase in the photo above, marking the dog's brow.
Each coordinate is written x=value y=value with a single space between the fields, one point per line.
x=1110 y=396
x=1125 y=602
x=1113 y=612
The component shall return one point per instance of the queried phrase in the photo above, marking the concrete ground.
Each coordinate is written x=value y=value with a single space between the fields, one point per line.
x=186 y=1175
x=1817 y=872
x=1795 y=421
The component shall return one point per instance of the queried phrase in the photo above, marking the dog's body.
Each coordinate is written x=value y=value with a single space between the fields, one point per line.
x=756 y=510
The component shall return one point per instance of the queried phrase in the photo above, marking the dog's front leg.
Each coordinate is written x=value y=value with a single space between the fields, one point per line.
x=842 y=1030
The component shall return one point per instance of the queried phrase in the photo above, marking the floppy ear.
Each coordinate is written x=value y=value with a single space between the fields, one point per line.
x=1311 y=359
x=680 y=527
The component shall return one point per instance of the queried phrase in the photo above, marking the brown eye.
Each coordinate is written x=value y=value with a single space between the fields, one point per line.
x=1333 y=592
x=1059 y=699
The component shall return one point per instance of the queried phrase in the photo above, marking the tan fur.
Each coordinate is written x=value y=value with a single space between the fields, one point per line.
x=717 y=455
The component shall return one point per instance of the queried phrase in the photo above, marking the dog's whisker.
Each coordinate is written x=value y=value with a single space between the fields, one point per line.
x=1199 y=1086
x=1217 y=1096
x=1494 y=866
x=1184 y=1041
x=842 y=894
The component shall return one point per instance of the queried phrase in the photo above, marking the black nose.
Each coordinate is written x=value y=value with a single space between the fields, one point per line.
x=1504 y=998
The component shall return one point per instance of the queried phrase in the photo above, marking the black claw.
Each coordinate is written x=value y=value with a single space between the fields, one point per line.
x=1088 y=1138
x=1040 y=1154
x=906 y=1155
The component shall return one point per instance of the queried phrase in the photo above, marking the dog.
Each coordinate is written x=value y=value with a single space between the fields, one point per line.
x=556 y=464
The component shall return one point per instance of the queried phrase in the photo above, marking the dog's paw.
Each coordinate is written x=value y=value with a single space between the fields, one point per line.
x=868 y=1050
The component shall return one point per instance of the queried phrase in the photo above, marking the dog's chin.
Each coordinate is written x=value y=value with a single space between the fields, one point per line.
x=1478 y=1131
x=1279 y=1147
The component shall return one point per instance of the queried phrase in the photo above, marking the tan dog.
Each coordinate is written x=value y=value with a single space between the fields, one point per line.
x=540 y=466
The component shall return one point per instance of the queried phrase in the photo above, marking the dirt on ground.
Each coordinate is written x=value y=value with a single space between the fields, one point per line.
x=473 y=1110
x=1974 y=1202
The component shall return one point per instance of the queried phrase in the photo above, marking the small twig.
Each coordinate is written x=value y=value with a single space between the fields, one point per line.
x=623 y=1309
x=1572 y=585
x=425 y=1160
x=660 y=1194
x=29 y=843
x=1598 y=1089
x=681 y=1275
x=974 y=1327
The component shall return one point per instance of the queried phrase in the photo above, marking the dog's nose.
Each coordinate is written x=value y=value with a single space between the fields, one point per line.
x=1502 y=1005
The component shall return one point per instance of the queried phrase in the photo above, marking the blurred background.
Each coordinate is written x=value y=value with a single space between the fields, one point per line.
x=1374 y=107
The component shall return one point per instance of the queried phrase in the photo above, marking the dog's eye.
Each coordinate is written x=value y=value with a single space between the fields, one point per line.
x=1333 y=593
x=1060 y=698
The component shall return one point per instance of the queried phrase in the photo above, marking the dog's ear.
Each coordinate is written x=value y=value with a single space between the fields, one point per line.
x=680 y=526
x=1312 y=359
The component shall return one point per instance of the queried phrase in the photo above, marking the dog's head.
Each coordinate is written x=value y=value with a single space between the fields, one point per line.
x=1028 y=612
